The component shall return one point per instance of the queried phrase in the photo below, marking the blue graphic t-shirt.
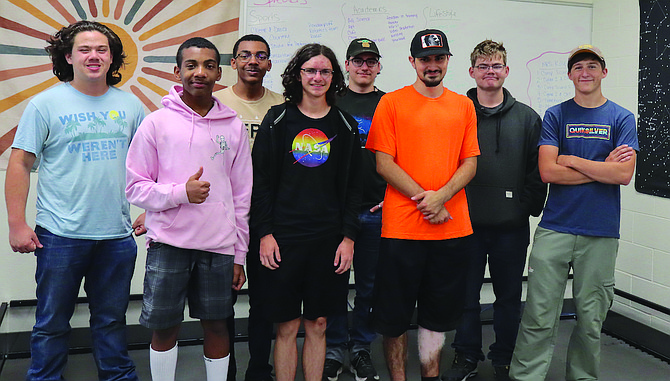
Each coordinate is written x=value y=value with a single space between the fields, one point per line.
x=591 y=209
x=81 y=142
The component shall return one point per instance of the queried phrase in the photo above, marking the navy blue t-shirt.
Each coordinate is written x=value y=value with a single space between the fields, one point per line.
x=591 y=209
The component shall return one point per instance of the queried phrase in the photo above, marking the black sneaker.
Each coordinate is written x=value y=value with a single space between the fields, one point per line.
x=501 y=373
x=361 y=367
x=331 y=370
x=461 y=369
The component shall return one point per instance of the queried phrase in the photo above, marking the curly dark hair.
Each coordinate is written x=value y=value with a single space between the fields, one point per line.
x=61 y=43
x=291 y=76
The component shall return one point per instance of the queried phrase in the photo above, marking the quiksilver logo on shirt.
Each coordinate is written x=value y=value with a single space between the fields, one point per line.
x=588 y=131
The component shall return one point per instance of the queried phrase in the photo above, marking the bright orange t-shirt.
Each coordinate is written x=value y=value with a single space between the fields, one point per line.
x=427 y=138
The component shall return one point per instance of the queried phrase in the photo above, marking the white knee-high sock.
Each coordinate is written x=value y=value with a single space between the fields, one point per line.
x=163 y=364
x=217 y=369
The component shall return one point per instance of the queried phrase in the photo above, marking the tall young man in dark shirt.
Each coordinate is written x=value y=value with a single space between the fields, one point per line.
x=360 y=100
x=506 y=190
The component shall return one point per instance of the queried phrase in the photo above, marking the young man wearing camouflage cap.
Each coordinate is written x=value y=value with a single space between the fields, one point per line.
x=587 y=150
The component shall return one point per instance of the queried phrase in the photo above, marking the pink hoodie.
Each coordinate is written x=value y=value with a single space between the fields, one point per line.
x=170 y=146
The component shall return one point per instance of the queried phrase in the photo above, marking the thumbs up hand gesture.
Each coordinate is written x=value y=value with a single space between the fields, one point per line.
x=196 y=190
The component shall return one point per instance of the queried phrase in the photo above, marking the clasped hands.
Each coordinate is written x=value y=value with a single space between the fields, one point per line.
x=431 y=205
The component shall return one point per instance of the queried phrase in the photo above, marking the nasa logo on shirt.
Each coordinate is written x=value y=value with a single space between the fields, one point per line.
x=311 y=147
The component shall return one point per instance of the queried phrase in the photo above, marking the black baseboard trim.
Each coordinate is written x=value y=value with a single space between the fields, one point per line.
x=190 y=333
x=133 y=297
x=638 y=335
x=642 y=301
x=4 y=346
x=17 y=344
x=139 y=337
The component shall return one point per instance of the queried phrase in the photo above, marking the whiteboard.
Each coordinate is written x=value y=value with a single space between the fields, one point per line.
x=537 y=36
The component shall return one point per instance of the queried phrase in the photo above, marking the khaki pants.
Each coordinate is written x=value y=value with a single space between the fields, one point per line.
x=592 y=260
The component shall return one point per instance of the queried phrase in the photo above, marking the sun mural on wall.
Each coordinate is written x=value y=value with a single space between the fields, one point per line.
x=151 y=32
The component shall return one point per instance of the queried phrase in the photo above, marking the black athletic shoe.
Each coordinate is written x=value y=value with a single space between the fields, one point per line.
x=361 y=367
x=331 y=370
x=461 y=369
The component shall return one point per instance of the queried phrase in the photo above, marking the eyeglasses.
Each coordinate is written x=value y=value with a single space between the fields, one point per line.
x=484 y=68
x=311 y=72
x=358 y=62
x=245 y=56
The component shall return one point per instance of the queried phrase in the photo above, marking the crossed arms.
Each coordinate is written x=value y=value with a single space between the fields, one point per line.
x=617 y=168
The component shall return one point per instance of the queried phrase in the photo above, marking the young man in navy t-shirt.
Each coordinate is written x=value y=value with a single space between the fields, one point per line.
x=587 y=150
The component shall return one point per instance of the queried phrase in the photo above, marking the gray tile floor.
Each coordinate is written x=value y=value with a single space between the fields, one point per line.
x=619 y=362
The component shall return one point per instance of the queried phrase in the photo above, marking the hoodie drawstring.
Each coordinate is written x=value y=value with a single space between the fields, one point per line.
x=498 y=132
x=190 y=139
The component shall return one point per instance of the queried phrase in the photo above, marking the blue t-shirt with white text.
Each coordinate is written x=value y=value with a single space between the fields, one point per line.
x=81 y=142
x=591 y=209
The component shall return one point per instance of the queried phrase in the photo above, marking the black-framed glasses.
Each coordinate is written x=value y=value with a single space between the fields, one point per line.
x=484 y=68
x=358 y=62
x=311 y=72
x=246 y=55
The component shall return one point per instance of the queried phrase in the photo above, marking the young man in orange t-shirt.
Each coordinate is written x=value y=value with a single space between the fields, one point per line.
x=425 y=140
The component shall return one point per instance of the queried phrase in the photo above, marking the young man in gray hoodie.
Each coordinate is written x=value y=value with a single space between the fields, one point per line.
x=506 y=190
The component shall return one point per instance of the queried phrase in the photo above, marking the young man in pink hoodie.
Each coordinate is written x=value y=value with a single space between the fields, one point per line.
x=197 y=240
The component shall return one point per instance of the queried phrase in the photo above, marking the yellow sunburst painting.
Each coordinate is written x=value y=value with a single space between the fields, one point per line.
x=151 y=31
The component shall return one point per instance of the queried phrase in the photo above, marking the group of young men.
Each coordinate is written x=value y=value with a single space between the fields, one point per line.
x=423 y=185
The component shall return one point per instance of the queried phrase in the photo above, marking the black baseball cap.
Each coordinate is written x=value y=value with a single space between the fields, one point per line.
x=362 y=45
x=428 y=42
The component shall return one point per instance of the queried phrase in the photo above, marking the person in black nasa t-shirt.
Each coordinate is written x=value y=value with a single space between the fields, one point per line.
x=305 y=205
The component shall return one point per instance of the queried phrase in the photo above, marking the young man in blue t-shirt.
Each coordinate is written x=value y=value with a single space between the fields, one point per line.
x=81 y=130
x=587 y=150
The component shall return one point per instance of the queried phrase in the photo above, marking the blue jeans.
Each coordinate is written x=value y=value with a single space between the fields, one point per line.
x=107 y=267
x=505 y=250
x=366 y=253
